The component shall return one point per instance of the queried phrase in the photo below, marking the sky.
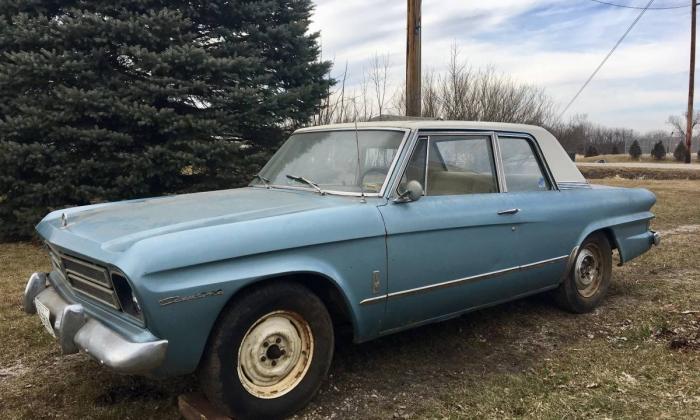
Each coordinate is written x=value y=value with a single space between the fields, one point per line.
x=554 y=44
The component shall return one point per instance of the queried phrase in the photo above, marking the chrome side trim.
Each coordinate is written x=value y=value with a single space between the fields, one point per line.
x=574 y=185
x=373 y=300
x=498 y=163
x=398 y=170
x=463 y=280
x=426 y=169
x=394 y=163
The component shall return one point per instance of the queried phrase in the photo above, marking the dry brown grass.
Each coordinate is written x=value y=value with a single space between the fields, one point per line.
x=631 y=358
x=604 y=171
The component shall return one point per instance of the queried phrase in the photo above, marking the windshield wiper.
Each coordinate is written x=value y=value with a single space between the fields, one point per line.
x=307 y=182
x=264 y=180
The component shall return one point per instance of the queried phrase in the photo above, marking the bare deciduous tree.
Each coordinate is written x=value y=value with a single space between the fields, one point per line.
x=459 y=93
x=379 y=76
x=332 y=107
x=680 y=124
x=578 y=134
x=430 y=96
x=465 y=93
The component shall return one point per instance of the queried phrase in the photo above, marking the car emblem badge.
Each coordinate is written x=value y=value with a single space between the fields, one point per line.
x=64 y=220
x=177 y=299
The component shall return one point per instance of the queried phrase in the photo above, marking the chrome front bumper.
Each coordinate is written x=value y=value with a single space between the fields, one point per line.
x=76 y=331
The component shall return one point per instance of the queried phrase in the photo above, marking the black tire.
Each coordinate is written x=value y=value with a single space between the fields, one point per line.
x=572 y=294
x=221 y=371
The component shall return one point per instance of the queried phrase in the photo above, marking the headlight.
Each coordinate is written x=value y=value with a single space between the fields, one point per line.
x=128 y=300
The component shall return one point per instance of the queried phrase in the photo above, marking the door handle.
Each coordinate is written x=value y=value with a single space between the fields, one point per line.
x=509 y=211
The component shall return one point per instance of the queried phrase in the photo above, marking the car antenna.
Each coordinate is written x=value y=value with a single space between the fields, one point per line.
x=357 y=144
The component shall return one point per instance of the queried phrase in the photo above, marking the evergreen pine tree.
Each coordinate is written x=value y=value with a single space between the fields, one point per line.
x=635 y=150
x=680 y=151
x=106 y=100
x=591 y=151
x=658 y=152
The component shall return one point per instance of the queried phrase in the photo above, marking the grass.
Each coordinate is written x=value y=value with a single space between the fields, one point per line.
x=605 y=171
x=634 y=357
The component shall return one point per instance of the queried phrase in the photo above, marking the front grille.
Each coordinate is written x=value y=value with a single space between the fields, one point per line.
x=85 y=278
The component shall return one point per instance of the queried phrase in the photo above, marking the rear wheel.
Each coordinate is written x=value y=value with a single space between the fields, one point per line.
x=268 y=353
x=587 y=283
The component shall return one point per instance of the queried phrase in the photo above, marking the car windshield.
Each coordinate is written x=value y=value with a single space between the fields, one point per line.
x=329 y=159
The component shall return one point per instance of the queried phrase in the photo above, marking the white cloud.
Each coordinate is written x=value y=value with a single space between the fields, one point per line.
x=554 y=44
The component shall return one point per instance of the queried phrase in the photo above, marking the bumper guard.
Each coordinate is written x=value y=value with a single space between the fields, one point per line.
x=76 y=331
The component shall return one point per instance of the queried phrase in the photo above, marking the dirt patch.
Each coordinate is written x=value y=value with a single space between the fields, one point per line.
x=681 y=230
x=681 y=337
x=18 y=369
x=137 y=390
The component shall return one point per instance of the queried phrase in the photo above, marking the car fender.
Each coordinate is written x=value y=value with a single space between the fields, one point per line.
x=195 y=296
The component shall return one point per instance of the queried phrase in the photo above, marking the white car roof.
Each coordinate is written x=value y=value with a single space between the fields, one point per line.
x=563 y=169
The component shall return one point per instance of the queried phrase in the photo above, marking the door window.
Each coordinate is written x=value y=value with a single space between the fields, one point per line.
x=460 y=165
x=522 y=169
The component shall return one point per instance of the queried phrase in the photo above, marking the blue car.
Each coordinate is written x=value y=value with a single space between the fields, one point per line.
x=373 y=227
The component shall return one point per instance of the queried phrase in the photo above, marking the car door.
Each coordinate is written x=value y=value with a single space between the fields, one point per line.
x=545 y=224
x=450 y=250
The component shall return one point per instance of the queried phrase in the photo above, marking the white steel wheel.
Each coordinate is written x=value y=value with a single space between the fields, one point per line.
x=268 y=353
x=585 y=285
x=588 y=270
x=275 y=354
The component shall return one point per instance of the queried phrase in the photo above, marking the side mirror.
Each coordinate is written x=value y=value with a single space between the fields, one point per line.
x=413 y=192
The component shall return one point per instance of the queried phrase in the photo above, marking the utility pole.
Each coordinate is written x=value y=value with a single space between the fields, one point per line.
x=413 y=57
x=691 y=87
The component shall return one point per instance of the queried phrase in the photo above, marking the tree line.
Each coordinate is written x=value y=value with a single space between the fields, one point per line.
x=463 y=92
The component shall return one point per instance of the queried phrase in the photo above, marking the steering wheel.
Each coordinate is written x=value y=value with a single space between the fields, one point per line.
x=373 y=170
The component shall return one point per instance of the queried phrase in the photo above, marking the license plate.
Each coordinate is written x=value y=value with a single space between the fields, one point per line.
x=45 y=316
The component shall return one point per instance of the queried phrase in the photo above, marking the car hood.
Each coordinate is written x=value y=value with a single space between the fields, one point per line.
x=116 y=226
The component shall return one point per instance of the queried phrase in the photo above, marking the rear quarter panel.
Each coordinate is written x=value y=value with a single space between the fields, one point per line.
x=624 y=212
x=556 y=222
x=629 y=220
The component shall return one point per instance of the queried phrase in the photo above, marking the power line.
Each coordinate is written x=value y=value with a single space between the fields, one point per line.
x=602 y=63
x=624 y=6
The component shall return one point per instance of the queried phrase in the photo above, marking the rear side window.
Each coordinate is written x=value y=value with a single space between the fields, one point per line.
x=521 y=166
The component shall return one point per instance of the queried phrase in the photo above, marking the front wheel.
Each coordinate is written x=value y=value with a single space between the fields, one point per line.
x=586 y=284
x=269 y=352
